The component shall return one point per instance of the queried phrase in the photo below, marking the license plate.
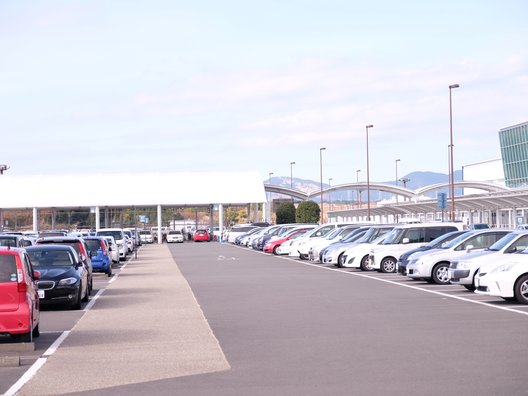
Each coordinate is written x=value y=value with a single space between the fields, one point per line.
x=41 y=293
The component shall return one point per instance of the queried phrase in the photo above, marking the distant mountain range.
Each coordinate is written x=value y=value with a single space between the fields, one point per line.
x=414 y=181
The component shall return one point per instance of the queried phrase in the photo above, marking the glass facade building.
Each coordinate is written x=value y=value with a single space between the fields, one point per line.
x=514 y=150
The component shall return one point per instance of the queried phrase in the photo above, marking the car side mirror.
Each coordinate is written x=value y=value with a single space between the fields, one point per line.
x=405 y=240
x=469 y=248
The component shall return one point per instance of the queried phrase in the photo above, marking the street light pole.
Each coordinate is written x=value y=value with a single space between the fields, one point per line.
x=291 y=174
x=269 y=198
x=321 y=169
x=398 y=160
x=368 y=174
x=358 y=190
x=330 y=194
x=451 y=167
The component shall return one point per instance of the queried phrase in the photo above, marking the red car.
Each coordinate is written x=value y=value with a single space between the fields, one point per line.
x=19 y=298
x=201 y=235
x=272 y=245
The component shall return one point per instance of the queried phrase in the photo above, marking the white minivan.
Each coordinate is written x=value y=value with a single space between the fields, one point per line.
x=384 y=257
x=119 y=237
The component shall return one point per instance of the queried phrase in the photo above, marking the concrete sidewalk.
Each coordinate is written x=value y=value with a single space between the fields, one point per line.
x=146 y=326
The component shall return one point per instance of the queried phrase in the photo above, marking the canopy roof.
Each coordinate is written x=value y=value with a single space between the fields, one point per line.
x=130 y=189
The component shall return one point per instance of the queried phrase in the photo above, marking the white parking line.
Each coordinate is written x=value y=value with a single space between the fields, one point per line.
x=35 y=367
x=443 y=294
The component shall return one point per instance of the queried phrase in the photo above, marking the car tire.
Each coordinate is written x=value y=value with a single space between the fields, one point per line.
x=25 y=337
x=109 y=270
x=470 y=287
x=303 y=256
x=77 y=304
x=86 y=297
x=364 y=264
x=275 y=250
x=36 y=331
x=440 y=274
x=520 y=289
x=388 y=265
x=339 y=262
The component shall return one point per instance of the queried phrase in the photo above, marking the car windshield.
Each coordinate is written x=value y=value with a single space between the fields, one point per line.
x=8 y=241
x=50 y=258
x=505 y=241
x=8 y=270
x=395 y=236
x=93 y=244
x=455 y=242
x=334 y=233
x=443 y=239
x=116 y=234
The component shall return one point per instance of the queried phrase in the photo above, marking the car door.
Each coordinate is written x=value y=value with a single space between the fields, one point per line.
x=9 y=295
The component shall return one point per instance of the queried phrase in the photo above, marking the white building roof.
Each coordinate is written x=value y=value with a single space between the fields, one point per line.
x=132 y=189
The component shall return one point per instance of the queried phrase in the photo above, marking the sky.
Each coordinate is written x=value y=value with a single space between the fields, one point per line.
x=170 y=86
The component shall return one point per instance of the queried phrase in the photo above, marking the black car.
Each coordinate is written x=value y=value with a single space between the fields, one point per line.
x=63 y=277
x=80 y=247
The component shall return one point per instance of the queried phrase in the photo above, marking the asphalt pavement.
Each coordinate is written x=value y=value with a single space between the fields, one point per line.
x=200 y=319
x=146 y=326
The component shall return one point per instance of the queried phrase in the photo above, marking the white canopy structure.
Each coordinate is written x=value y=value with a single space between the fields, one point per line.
x=131 y=189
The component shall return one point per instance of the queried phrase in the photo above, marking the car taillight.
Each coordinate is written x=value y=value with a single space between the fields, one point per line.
x=21 y=284
x=105 y=253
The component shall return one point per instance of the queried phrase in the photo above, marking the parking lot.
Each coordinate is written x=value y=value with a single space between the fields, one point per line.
x=274 y=325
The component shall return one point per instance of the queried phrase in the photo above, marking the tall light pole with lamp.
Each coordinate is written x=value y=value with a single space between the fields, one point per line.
x=291 y=174
x=451 y=167
x=358 y=191
x=3 y=168
x=269 y=198
x=330 y=194
x=368 y=174
x=321 y=170
x=396 y=162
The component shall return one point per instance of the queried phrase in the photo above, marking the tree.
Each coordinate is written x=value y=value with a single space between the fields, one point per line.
x=307 y=212
x=285 y=213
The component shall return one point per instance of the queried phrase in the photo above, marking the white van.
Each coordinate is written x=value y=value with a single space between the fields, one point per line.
x=119 y=237
x=384 y=257
x=238 y=230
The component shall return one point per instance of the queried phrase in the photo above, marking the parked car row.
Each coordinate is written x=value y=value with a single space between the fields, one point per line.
x=484 y=260
x=55 y=269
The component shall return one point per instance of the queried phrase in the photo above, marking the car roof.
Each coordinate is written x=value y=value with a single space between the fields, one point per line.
x=10 y=250
x=60 y=239
x=50 y=247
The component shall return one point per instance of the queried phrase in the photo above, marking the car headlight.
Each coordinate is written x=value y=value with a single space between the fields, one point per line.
x=67 y=282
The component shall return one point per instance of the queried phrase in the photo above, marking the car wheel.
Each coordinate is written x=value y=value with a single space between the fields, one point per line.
x=25 y=337
x=365 y=265
x=339 y=262
x=512 y=299
x=109 y=270
x=275 y=250
x=521 y=289
x=90 y=286
x=470 y=287
x=36 y=331
x=440 y=274
x=388 y=264
x=77 y=304
x=303 y=256
x=86 y=297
